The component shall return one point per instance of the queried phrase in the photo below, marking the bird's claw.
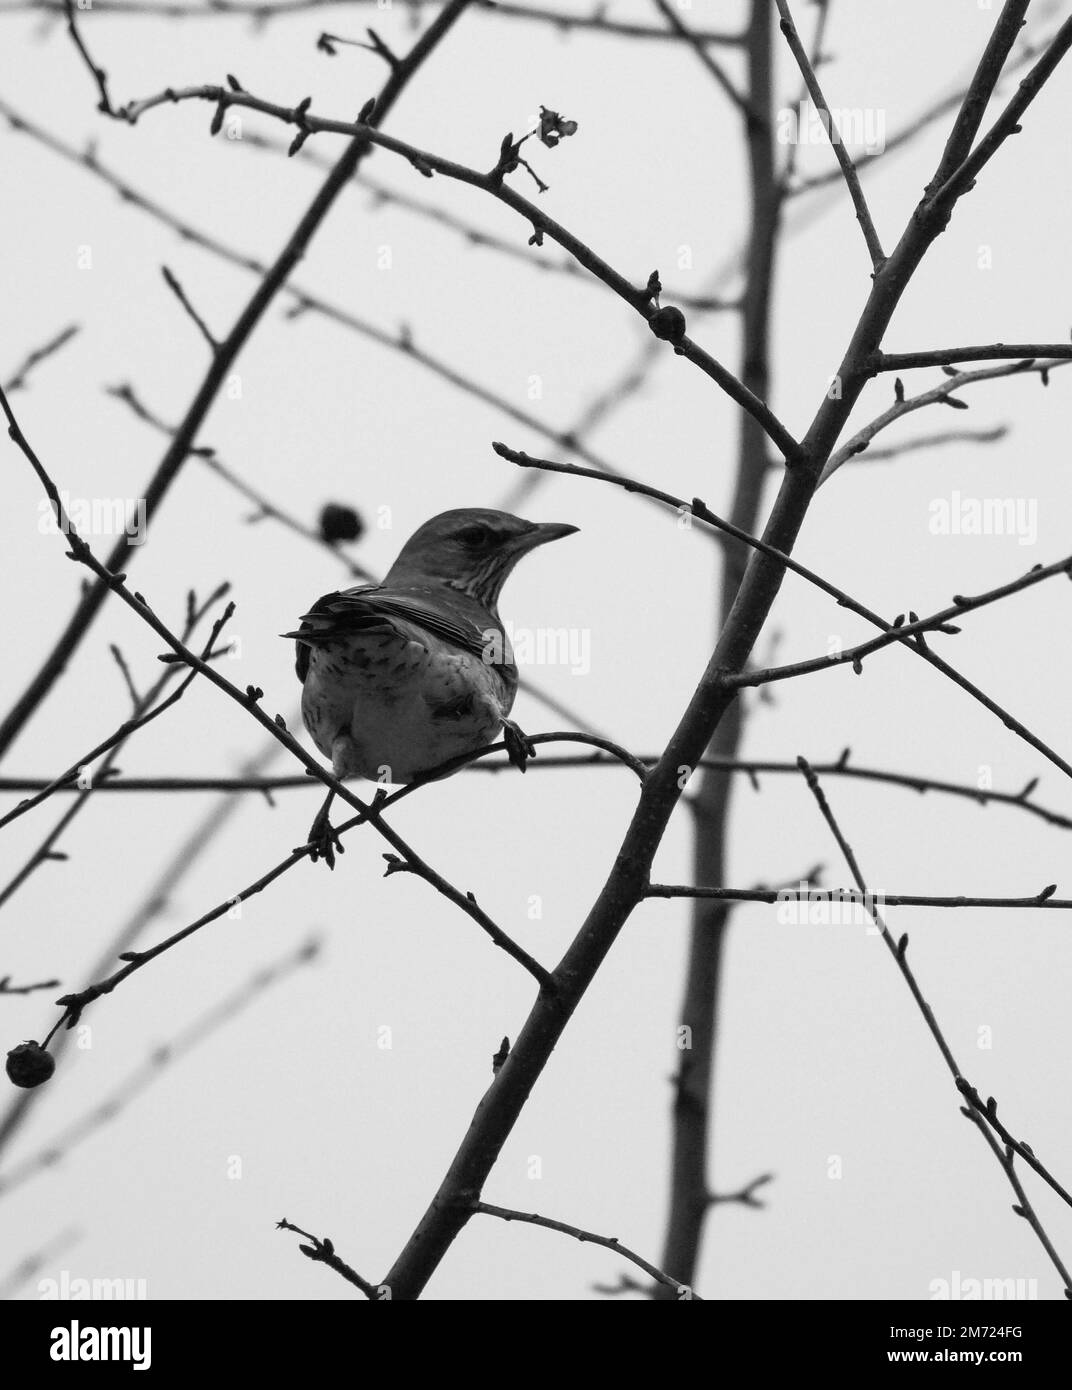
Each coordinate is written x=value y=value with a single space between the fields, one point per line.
x=519 y=747
x=325 y=840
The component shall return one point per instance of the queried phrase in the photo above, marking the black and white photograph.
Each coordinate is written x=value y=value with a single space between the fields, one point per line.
x=535 y=737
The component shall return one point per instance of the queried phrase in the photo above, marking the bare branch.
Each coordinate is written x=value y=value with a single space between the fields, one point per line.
x=306 y=301
x=588 y=1237
x=492 y=183
x=933 y=441
x=727 y=679
x=1007 y=1158
x=711 y=66
x=155 y=1065
x=989 y=352
x=261 y=11
x=208 y=456
x=180 y=294
x=937 y=622
x=899 y=951
x=848 y=168
x=248 y=700
x=323 y=1252
x=326 y=44
x=145 y=712
x=6 y=987
x=980 y=90
x=919 y=123
x=18 y=380
x=81 y=620
x=905 y=405
x=788 y=175
x=475 y=236
x=753 y=768
x=38 y=1260
x=744 y=1196
x=158 y=895
x=100 y=77
x=850 y=897
x=962 y=179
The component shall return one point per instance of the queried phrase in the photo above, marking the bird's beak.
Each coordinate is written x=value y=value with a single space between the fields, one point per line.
x=544 y=531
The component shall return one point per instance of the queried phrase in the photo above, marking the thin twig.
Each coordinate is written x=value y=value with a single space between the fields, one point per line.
x=261 y=11
x=934 y=441
x=475 y=236
x=145 y=713
x=980 y=90
x=918 y=124
x=208 y=456
x=1007 y=1158
x=18 y=381
x=305 y=300
x=6 y=987
x=323 y=1252
x=848 y=168
x=786 y=181
x=728 y=680
x=81 y=620
x=494 y=184
x=100 y=77
x=159 y=893
x=180 y=294
x=943 y=393
x=155 y=1065
x=141 y=706
x=850 y=898
x=941 y=621
x=587 y=1237
x=710 y=64
x=410 y=861
x=962 y=179
x=899 y=951
x=744 y=1196
x=750 y=767
x=980 y=352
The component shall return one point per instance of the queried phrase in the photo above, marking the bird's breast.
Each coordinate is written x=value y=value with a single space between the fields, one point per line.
x=389 y=708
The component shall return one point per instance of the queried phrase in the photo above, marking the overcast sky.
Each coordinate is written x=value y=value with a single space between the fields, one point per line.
x=826 y=1075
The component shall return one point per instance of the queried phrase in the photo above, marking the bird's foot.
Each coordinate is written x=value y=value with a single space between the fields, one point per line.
x=519 y=747
x=324 y=839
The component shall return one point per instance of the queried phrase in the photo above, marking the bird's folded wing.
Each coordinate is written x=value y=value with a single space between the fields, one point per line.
x=370 y=610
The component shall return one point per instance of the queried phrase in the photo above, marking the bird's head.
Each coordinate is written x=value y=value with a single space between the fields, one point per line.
x=472 y=550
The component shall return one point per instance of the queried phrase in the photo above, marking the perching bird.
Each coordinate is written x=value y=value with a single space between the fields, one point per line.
x=401 y=677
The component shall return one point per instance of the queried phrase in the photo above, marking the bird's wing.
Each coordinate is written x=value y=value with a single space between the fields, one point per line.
x=369 y=609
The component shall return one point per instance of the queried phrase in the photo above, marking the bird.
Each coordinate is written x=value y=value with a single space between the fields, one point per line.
x=406 y=677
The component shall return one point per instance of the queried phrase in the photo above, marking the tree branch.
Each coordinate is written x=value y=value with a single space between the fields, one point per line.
x=409 y=860
x=493 y=184
x=261 y=11
x=847 y=896
x=848 y=168
x=710 y=64
x=682 y=1291
x=18 y=381
x=989 y=352
x=323 y=1252
x=899 y=951
x=914 y=627
x=905 y=405
x=80 y=623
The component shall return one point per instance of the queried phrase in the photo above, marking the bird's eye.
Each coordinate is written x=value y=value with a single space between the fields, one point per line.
x=474 y=537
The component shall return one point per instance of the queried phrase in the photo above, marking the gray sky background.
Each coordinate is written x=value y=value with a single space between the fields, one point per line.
x=822 y=1052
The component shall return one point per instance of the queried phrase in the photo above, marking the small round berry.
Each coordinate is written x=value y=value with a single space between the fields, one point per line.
x=339 y=523
x=29 y=1064
x=668 y=323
